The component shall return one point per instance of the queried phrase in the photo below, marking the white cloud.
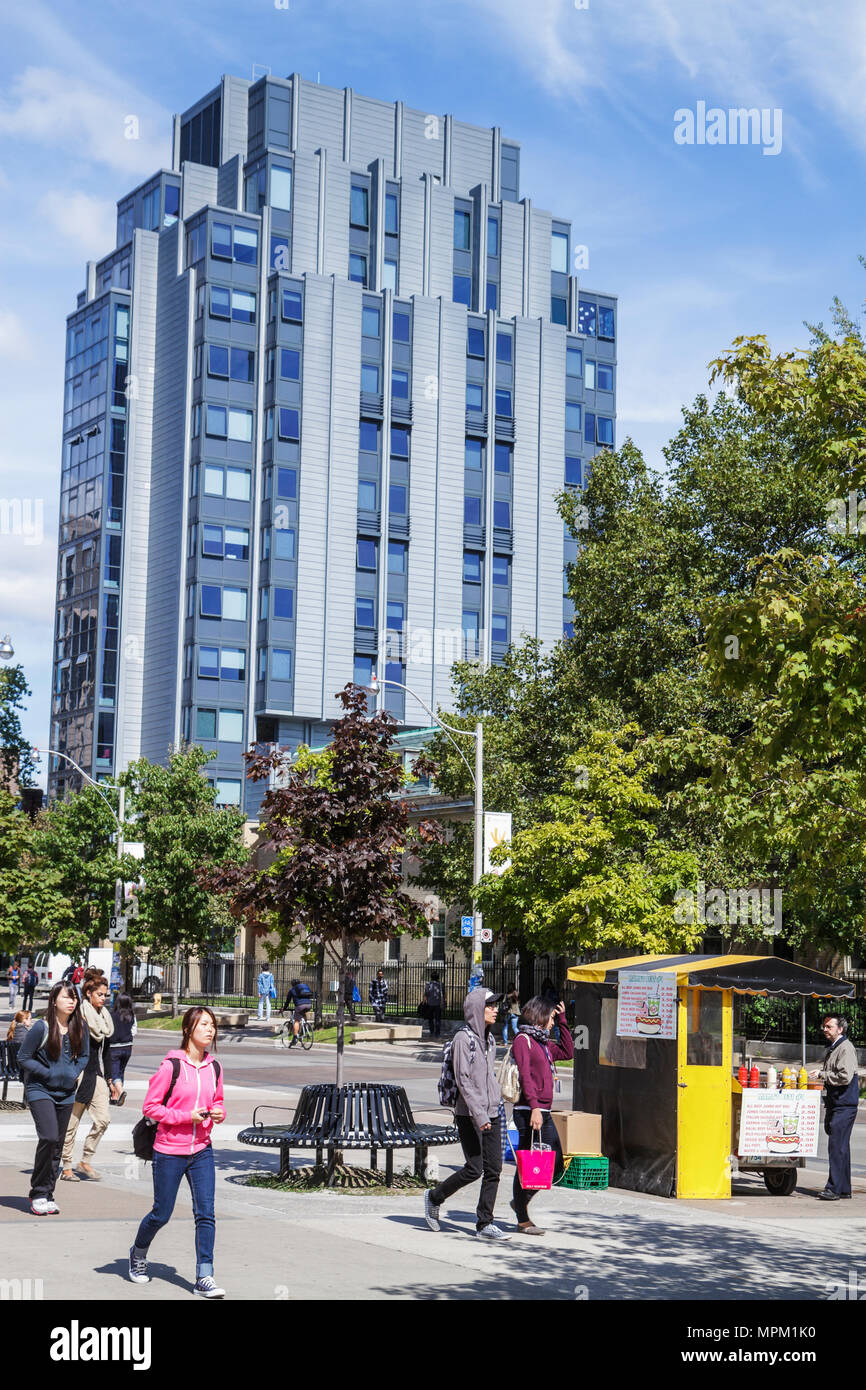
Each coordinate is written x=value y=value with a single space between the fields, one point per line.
x=15 y=340
x=70 y=113
x=85 y=224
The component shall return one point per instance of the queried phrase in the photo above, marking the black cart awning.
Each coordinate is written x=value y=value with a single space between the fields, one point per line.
x=743 y=974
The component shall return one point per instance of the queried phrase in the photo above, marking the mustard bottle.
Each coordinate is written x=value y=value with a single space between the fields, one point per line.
x=802 y=1079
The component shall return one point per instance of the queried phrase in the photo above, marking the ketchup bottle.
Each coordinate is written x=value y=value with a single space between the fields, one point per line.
x=743 y=1077
x=754 y=1077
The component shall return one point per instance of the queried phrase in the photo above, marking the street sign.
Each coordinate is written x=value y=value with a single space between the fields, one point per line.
x=486 y=934
x=117 y=927
x=466 y=927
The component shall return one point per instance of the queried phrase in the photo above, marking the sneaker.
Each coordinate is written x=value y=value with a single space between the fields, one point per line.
x=431 y=1212
x=828 y=1196
x=491 y=1232
x=53 y=1208
x=138 y=1267
x=40 y=1206
x=293 y=1043
x=207 y=1288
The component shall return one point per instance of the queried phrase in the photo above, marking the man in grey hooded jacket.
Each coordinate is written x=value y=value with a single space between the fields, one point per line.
x=473 y=1057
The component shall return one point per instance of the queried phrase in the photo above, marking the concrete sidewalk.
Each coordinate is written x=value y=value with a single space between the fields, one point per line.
x=276 y=1246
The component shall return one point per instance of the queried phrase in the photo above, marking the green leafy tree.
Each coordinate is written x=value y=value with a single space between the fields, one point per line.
x=591 y=873
x=32 y=907
x=335 y=830
x=16 y=755
x=183 y=832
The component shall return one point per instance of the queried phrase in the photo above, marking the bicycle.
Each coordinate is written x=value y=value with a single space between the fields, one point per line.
x=306 y=1036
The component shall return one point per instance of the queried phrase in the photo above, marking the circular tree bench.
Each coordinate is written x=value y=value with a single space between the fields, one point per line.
x=362 y=1115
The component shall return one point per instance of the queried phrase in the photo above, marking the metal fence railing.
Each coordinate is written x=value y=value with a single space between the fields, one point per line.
x=779 y=1020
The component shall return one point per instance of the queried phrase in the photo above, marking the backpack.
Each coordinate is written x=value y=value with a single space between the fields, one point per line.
x=301 y=991
x=434 y=994
x=144 y=1133
x=447 y=1087
x=78 y=975
x=508 y=1076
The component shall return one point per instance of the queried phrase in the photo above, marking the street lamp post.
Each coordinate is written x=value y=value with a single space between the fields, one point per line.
x=478 y=781
x=118 y=815
x=7 y=651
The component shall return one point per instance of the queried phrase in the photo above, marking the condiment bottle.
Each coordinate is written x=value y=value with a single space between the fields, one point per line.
x=772 y=1078
x=802 y=1079
x=788 y=1079
x=743 y=1077
x=754 y=1077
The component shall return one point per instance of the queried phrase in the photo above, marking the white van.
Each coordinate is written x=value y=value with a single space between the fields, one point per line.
x=50 y=966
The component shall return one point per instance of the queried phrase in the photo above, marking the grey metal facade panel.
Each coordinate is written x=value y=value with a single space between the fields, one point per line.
x=372 y=133
x=550 y=482
x=411 y=263
x=525 y=466
x=442 y=242
x=471 y=157
x=235 y=107
x=166 y=563
x=230 y=183
x=449 y=522
x=539 y=263
x=137 y=535
x=423 y=503
x=313 y=498
x=320 y=119
x=337 y=200
x=199 y=188
x=511 y=282
x=342 y=521
x=423 y=144
x=305 y=214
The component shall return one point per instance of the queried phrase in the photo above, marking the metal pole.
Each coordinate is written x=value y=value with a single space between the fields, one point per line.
x=803 y=1031
x=478 y=854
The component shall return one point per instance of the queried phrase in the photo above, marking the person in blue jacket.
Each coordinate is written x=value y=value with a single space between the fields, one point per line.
x=51 y=1058
x=267 y=988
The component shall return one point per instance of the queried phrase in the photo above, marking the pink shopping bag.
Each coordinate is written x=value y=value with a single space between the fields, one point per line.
x=535 y=1167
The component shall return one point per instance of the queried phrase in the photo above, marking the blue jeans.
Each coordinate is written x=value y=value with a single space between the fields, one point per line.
x=168 y=1169
x=510 y=1026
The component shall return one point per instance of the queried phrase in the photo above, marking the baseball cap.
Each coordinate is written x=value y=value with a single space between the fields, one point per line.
x=491 y=998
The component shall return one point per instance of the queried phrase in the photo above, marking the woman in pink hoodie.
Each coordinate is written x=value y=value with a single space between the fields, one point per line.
x=185 y=1097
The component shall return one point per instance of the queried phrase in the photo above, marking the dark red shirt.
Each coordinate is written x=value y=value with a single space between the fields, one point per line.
x=534 y=1062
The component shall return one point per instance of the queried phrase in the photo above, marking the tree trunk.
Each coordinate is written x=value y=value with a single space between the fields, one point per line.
x=526 y=976
x=341 y=1006
x=175 y=980
x=320 y=982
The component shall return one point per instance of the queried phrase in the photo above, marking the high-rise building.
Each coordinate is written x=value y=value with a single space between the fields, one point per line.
x=320 y=400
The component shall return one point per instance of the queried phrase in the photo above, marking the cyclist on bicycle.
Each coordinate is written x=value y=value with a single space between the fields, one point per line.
x=300 y=996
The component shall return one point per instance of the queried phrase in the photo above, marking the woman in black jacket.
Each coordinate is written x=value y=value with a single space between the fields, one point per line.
x=95 y=1088
x=51 y=1058
x=125 y=1029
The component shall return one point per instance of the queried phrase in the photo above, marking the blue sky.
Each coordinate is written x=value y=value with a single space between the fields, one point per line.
x=700 y=242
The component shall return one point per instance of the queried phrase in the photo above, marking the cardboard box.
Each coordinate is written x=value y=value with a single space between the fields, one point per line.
x=579 y=1132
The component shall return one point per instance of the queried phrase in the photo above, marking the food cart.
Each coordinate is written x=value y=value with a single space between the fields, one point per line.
x=657 y=1065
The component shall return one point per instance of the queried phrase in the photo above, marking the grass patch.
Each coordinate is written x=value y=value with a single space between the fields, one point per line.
x=174 y=1024
x=329 y=1035
x=346 y=1179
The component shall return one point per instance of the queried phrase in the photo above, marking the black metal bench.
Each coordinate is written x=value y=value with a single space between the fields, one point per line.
x=9 y=1065
x=362 y=1115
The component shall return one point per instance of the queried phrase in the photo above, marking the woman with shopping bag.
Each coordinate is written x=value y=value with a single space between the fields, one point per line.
x=539 y=1155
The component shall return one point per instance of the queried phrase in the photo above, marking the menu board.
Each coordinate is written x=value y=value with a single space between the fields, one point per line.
x=779 y=1124
x=646 y=1005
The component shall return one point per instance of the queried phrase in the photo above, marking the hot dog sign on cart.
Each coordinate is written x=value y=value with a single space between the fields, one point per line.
x=646 y=1005
x=779 y=1124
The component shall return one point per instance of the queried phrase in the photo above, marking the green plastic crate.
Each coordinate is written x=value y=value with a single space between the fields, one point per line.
x=584 y=1173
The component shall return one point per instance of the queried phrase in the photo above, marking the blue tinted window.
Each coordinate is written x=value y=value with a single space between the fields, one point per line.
x=370 y=321
x=391 y=214
x=604 y=428
x=366 y=554
x=502 y=458
x=589 y=426
x=284 y=544
x=558 y=310
x=211 y=601
x=502 y=514
x=397 y=499
x=568 y=630
x=394 y=672
x=493 y=236
x=472 y=511
x=369 y=378
x=357 y=268
x=462 y=290
x=217 y=360
x=503 y=347
x=501 y=568
x=284 y=603
x=462 y=230
x=605 y=377
x=572 y=416
x=363 y=670
x=586 y=318
x=292 y=309
x=499 y=627
x=471 y=567
x=605 y=323
x=215 y=421
x=212 y=542
x=220 y=302
x=209 y=663
x=246 y=245
x=401 y=327
x=281 y=664
x=573 y=471
x=470 y=622
x=395 y=616
x=573 y=361
x=205 y=723
x=503 y=402
x=366 y=495
x=221 y=241
x=396 y=557
x=492 y=297
x=365 y=615
x=400 y=385
x=474 y=396
x=368 y=436
x=289 y=424
x=237 y=543
x=399 y=442
x=242 y=364
x=474 y=453
x=359 y=214
x=290 y=364
x=287 y=483
x=475 y=342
